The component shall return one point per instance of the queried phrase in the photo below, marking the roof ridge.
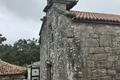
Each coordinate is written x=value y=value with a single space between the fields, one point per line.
x=10 y=64
x=96 y=12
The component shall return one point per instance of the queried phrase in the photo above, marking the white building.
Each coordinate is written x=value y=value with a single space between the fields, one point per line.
x=34 y=71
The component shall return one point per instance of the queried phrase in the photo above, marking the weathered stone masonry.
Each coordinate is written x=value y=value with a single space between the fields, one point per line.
x=78 y=50
x=99 y=48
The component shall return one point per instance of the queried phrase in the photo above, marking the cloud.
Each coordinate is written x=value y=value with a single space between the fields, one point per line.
x=25 y=8
x=20 y=19
x=101 y=6
x=14 y=27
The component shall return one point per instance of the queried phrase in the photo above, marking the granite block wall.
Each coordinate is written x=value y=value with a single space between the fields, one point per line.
x=96 y=51
x=78 y=51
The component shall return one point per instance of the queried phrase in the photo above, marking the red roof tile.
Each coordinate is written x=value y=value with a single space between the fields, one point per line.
x=10 y=69
x=78 y=15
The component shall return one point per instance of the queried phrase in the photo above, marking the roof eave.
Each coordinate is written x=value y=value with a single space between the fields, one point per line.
x=95 y=21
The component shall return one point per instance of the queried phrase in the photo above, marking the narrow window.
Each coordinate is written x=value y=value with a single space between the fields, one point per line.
x=49 y=70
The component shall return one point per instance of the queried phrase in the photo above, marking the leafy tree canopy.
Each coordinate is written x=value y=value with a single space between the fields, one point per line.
x=22 y=52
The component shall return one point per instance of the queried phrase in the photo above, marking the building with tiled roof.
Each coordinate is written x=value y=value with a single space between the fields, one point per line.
x=77 y=45
x=11 y=72
x=34 y=71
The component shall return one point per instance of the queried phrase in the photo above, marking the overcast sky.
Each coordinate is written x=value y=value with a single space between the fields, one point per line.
x=21 y=18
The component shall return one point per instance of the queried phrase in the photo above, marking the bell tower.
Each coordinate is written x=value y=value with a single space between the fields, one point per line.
x=68 y=4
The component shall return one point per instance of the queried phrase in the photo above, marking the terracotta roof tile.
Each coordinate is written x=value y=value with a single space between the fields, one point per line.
x=78 y=15
x=10 y=69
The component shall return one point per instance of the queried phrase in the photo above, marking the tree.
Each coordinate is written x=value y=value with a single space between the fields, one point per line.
x=2 y=39
x=22 y=52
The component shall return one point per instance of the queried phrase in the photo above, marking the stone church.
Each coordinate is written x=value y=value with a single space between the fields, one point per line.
x=77 y=45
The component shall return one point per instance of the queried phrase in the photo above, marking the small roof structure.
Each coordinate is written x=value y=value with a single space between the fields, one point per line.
x=35 y=64
x=10 y=69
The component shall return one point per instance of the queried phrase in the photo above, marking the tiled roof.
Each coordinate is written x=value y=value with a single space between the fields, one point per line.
x=10 y=69
x=78 y=15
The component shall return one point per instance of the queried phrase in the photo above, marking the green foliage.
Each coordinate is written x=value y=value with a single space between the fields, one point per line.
x=2 y=39
x=21 y=53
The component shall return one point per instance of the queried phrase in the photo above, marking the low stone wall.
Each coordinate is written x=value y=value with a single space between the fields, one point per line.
x=12 y=77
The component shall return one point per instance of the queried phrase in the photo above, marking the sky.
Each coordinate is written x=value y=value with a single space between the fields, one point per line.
x=21 y=18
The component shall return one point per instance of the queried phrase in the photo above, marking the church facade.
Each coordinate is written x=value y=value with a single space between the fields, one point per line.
x=77 y=45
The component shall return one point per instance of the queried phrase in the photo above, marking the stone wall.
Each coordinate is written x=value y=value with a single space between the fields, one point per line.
x=78 y=51
x=12 y=77
x=52 y=47
x=95 y=52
